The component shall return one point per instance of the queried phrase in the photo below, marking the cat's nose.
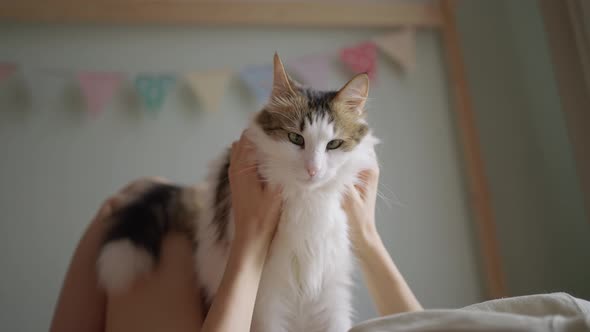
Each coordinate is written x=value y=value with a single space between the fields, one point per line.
x=312 y=171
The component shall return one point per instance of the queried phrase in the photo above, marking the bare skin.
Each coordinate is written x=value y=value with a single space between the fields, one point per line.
x=168 y=300
x=390 y=292
x=167 y=295
x=82 y=305
x=257 y=211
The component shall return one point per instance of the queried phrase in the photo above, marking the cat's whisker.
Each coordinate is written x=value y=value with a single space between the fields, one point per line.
x=385 y=199
x=396 y=199
x=382 y=195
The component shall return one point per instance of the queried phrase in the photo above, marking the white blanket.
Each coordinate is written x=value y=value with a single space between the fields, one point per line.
x=557 y=312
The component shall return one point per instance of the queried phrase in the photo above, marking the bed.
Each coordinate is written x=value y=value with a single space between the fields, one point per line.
x=557 y=312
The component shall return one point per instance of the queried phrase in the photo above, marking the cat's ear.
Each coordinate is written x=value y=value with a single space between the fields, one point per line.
x=281 y=84
x=295 y=86
x=353 y=95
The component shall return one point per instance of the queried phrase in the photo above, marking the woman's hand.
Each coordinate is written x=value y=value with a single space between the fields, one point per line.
x=390 y=292
x=359 y=205
x=256 y=215
x=256 y=206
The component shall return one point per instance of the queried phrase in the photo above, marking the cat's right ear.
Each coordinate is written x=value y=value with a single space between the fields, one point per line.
x=281 y=85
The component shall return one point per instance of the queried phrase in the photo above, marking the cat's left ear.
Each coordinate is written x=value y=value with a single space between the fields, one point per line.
x=353 y=94
x=281 y=84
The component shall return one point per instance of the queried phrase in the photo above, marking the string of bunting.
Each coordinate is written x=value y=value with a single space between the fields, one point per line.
x=98 y=87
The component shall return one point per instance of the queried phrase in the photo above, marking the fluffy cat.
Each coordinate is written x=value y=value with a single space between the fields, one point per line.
x=313 y=144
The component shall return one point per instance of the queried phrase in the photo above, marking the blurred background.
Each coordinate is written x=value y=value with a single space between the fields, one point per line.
x=88 y=107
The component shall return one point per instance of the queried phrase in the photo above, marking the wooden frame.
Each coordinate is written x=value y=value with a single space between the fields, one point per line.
x=562 y=20
x=221 y=12
x=438 y=16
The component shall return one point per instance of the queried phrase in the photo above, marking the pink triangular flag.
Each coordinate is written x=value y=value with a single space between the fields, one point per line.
x=361 y=58
x=312 y=69
x=400 y=46
x=98 y=88
x=7 y=70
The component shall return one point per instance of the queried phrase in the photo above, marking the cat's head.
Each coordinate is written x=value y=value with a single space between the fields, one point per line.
x=309 y=138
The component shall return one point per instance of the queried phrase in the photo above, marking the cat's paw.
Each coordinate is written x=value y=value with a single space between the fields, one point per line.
x=120 y=263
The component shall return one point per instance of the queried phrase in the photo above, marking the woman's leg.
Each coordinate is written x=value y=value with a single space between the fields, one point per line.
x=165 y=300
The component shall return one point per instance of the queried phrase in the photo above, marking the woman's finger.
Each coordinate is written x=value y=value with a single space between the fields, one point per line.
x=352 y=196
x=368 y=181
x=247 y=153
x=242 y=153
x=364 y=183
x=243 y=170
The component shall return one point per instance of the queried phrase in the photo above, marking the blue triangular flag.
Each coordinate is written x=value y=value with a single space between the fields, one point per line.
x=258 y=78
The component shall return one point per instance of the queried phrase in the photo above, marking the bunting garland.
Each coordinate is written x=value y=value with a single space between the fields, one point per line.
x=400 y=46
x=209 y=87
x=312 y=69
x=258 y=78
x=152 y=89
x=361 y=58
x=99 y=88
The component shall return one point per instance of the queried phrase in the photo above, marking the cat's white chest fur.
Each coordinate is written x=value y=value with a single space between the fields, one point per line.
x=306 y=281
x=306 y=278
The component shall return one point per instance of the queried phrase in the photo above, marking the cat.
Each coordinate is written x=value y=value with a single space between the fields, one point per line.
x=311 y=143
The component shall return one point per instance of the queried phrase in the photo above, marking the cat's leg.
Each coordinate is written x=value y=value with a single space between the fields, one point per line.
x=132 y=244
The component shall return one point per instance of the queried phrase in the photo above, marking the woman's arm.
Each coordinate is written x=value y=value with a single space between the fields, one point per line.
x=81 y=304
x=256 y=211
x=167 y=299
x=390 y=292
x=233 y=306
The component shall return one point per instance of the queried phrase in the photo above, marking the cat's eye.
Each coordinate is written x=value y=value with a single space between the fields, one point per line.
x=296 y=139
x=334 y=144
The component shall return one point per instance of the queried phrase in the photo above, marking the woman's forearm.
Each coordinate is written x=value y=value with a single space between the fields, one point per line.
x=233 y=306
x=390 y=292
x=256 y=211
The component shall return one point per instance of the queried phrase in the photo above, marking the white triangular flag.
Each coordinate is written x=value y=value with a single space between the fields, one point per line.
x=209 y=86
x=400 y=45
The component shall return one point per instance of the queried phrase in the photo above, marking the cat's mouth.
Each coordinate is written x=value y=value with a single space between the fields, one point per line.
x=311 y=183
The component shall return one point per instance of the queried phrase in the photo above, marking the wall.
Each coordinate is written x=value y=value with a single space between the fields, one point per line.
x=58 y=164
x=535 y=189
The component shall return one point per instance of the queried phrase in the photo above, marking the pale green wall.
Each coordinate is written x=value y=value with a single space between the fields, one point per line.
x=543 y=232
x=57 y=164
